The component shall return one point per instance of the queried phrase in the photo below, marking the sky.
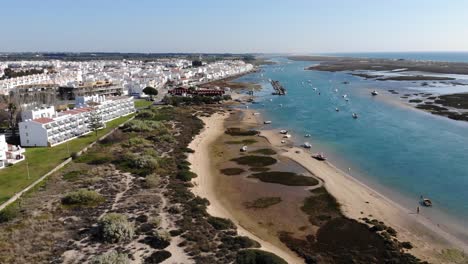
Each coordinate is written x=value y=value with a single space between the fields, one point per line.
x=237 y=26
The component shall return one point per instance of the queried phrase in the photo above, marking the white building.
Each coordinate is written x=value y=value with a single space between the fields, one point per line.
x=62 y=126
x=9 y=154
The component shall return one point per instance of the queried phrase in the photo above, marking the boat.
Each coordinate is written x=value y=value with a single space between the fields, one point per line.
x=374 y=93
x=271 y=100
x=280 y=105
x=283 y=131
x=355 y=116
x=426 y=202
x=282 y=141
x=307 y=135
x=336 y=90
x=306 y=145
x=319 y=156
x=315 y=89
x=287 y=136
x=337 y=110
x=267 y=122
x=256 y=113
x=345 y=95
x=243 y=149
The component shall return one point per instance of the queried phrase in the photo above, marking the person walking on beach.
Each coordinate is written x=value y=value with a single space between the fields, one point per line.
x=417 y=210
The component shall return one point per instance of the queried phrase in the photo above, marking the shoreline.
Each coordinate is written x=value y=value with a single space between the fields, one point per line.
x=353 y=195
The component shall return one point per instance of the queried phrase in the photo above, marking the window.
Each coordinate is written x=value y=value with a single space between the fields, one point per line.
x=25 y=127
x=27 y=141
x=27 y=134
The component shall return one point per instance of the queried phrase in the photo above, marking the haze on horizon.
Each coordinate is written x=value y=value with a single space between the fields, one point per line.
x=213 y=26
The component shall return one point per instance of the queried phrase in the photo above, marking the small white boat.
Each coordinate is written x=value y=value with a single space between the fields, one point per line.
x=347 y=100
x=336 y=90
x=315 y=89
x=282 y=141
x=271 y=100
x=345 y=95
x=280 y=105
x=306 y=145
x=374 y=93
x=287 y=136
x=307 y=135
x=256 y=113
x=337 y=110
x=243 y=149
x=267 y=122
x=355 y=116
x=283 y=131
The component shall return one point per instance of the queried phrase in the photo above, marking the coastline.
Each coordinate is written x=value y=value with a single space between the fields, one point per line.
x=357 y=200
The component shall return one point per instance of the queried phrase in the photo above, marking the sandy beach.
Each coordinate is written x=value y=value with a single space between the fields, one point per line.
x=204 y=183
x=356 y=199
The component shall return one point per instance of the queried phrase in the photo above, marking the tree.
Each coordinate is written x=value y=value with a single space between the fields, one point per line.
x=95 y=121
x=150 y=91
x=12 y=108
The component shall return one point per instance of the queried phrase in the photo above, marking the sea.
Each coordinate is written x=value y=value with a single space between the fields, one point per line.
x=402 y=152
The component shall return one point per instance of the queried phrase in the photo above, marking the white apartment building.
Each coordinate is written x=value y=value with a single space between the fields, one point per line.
x=49 y=131
x=9 y=154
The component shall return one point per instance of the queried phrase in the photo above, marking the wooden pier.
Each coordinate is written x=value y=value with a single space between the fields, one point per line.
x=279 y=89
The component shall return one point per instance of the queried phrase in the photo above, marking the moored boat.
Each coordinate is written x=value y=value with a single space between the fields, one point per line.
x=355 y=116
x=267 y=122
x=306 y=145
x=374 y=93
x=283 y=131
x=243 y=149
x=319 y=156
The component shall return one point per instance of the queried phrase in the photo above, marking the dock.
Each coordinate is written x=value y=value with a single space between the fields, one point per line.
x=279 y=89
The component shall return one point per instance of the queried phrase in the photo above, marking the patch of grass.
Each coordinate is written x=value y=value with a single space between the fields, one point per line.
x=262 y=203
x=265 y=151
x=256 y=256
x=243 y=142
x=255 y=161
x=320 y=206
x=72 y=175
x=142 y=103
x=285 y=178
x=82 y=197
x=236 y=131
x=10 y=212
x=232 y=171
x=41 y=160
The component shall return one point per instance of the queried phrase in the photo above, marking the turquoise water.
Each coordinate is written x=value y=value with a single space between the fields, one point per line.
x=402 y=150
x=432 y=56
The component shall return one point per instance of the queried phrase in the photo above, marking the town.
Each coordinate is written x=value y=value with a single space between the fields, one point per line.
x=49 y=102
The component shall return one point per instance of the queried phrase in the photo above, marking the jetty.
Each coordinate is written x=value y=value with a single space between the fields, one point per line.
x=279 y=89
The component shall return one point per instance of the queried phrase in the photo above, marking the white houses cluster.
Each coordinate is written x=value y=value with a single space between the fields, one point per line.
x=9 y=154
x=132 y=76
x=45 y=127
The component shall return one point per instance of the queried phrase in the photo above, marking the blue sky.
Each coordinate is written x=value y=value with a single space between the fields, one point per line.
x=292 y=26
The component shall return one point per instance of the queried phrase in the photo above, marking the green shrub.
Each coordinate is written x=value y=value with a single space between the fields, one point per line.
x=152 y=180
x=186 y=175
x=220 y=223
x=9 y=213
x=111 y=257
x=83 y=197
x=137 y=125
x=255 y=256
x=114 y=228
x=406 y=245
x=158 y=256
